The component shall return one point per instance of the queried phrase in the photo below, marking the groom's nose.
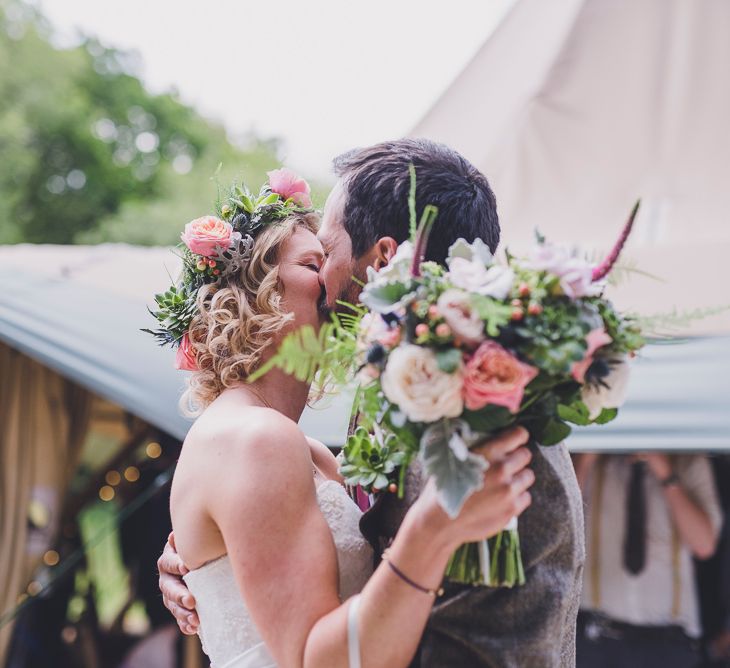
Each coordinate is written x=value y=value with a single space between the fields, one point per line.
x=322 y=282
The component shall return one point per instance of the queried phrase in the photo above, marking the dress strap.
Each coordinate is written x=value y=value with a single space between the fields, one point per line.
x=353 y=632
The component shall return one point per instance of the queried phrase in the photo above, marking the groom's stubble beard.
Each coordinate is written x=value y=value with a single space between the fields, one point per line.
x=349 y=293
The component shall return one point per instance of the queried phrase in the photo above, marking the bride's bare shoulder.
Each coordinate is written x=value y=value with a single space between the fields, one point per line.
x=252 y=435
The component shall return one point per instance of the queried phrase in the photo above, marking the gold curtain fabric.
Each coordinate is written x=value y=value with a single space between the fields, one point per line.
x=43 y=422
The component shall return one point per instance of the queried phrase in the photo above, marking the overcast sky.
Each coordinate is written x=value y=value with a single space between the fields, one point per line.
x=324 y=75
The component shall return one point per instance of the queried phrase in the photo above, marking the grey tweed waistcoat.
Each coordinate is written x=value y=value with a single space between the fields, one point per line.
x=532 y=626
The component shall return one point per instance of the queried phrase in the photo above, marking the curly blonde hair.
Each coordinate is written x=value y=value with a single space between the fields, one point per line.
x=238 y=317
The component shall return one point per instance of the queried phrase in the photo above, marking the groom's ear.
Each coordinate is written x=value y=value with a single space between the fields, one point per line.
x=384 y=250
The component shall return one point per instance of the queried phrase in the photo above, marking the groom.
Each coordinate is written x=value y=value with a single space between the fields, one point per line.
x=365 y=218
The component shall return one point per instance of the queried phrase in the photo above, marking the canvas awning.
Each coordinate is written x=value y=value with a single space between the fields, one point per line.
x=79 y=310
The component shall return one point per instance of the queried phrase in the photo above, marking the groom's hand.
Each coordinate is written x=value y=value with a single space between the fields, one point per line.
x=497 y=448
x=175 y=595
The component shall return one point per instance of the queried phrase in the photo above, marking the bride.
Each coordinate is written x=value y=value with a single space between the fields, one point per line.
x=279 y=570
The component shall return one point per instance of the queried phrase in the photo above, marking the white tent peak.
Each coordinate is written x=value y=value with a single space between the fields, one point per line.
x=576 y=108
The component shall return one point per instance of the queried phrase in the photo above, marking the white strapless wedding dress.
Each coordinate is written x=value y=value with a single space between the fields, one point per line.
x=227 y=632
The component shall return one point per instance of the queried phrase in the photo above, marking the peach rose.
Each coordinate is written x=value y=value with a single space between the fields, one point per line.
x=597 y=338
x=495 y=376
x=185 y=358
x=412 y=380
x=204 y=235
x=286 y=183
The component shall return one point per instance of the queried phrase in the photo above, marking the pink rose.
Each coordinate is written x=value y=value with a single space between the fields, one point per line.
x=204 y=235
x=185 y=358
x=596 y=339
x=287 y=184
x=495 y=376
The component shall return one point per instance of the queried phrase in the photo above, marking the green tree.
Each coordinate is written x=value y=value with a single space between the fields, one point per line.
x=89 y=155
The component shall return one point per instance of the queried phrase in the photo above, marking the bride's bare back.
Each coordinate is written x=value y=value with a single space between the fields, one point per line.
x=205 y=469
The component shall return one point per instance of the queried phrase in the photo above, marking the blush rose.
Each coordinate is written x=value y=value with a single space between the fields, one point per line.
x=203 y=236
x=495 y=376
x=455 y=307
x=412 y=380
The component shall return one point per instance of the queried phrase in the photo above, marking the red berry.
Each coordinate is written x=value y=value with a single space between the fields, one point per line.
x=392 y=488
x=516 y=303
x=534 y=309
x=518 y=314
x=524 y=289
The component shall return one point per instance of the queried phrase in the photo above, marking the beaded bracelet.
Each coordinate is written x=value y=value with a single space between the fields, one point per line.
x=671 y=479
x=434 y=593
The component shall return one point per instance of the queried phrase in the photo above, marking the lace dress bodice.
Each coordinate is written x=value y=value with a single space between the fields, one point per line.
x=227 y=632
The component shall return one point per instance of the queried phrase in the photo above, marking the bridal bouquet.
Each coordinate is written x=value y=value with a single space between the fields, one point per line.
x=447 y=356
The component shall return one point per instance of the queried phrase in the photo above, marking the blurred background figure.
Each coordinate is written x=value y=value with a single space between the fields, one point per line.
x=713 y=576
x=646 y=517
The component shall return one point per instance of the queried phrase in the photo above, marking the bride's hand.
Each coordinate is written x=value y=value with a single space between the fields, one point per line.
x=503 y=496
x=175 y=595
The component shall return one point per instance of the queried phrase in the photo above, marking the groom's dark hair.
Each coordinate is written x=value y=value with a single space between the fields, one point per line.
x=377 y=181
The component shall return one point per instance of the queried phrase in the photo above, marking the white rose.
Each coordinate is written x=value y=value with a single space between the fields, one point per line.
x=412 y=380
x=473 y=276
x=455 y=307
x=598 y=397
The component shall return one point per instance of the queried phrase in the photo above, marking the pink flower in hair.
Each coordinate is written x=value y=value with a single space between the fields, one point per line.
x=203 y=236
x=185 y=358
x=286 y=183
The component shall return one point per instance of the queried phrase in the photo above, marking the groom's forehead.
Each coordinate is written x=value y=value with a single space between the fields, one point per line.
x=335 y=204
x=333 y=217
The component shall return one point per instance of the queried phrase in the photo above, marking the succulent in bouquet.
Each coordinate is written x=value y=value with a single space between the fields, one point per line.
x=446 y=356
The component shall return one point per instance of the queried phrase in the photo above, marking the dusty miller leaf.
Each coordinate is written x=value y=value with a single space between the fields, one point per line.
x=455 y=479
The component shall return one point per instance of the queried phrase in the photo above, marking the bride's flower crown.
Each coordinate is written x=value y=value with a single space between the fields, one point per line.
x=218 y=246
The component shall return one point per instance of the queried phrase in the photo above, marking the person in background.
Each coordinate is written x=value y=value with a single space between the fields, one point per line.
x=646 y=517
x=714 y=578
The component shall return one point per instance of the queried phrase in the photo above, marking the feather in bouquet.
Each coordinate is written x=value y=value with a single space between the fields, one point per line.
x=448 y=356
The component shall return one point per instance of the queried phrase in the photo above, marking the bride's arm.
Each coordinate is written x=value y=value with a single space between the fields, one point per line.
x=285 y=562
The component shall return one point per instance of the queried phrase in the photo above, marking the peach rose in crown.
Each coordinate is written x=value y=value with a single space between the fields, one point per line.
x=495 y=376
x=185 y=358
x=597 y=338
x=204 y=235
x=286 y=183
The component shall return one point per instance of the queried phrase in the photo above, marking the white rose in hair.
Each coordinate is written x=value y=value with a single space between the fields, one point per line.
x=598 y=397
x=455 y=307
x=412 y=380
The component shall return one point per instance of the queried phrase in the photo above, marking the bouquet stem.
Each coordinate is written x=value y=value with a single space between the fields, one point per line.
x=496 y=562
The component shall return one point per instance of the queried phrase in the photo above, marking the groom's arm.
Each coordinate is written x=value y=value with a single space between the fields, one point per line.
x=175 y=595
